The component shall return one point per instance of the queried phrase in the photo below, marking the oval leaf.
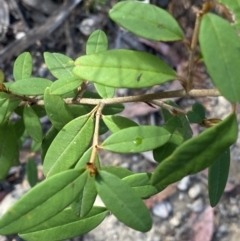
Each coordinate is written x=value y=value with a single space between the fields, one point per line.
x=140 y=183
x=59 y=65
x=97 y=42
x=117 y=171
x=30 y=86
x=217 y=177
x=104 y=91
x=197 y=153
x=57 y=110
x=48 y=139
x=123 y=202
x=33 y=209
x=146 y=21
x=123 y=69
x=85 y=200
x=136 y=139
x=8 y=148
x=22 y=68
x=32 y=173
x=216 y=36
x=116 y=123
x=32 y=124
x=69 y=145
x=63 y=86
x=66 y=225
x=167 y=149
x=85 y=158
x=4 y=103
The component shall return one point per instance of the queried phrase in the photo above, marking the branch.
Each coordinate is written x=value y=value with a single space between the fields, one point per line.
x=192 y=52
x=96 y=133
x=145 y=98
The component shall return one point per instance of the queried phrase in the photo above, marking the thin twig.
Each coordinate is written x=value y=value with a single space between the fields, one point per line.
x=170 y=108
x=193 y=47
x=81 y=91
x=145 y=98
x=96 y=132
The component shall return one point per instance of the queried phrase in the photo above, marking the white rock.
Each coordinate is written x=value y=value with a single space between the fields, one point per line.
x=175 y=221
x=197 y=206
x=194 y=191
x=183 y=185
x=162 y=209
x=3 y=238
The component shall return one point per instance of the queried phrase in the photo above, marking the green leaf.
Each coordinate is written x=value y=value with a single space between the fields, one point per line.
x=197 y=153
x=116 y=123
x=85 y=158
x=96 y=42
x=39 y=110
x=32 y=124
x=234 y=8
x=69 y=145
x=218 y=36
x=59 y=65
x=65 y=225
x=117 y=171
x=123 y=202
x=102 y=127
x=36 y=146
x=13 y=103
x=4 y=103
x=167 y=149
x=140 y=183
x=63 y=86
x=30 y=86
x=146 y=21
x=123 y=69
x=113 y=109
x=197 y=114
x=136 y=139
x=79 y=110
x=22 y=68
x=57 y=110
x=32 y=173
x=177 y=123
x=48 y=139
x=84 y=202
x=217 y=177
x=104 y=91
x=19 y=128
x=8 y=148
x=33 y=209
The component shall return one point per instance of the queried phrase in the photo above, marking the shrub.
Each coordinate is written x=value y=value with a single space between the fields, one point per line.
x=61 y=206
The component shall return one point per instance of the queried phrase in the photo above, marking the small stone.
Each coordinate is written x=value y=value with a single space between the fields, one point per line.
x=194 y=191
x=234 y=211
x=183 y=185
x=162 y=209
x=197 y=206
x=222 y=230
x=175 y=221
x=3 y=238
x=20 y=35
